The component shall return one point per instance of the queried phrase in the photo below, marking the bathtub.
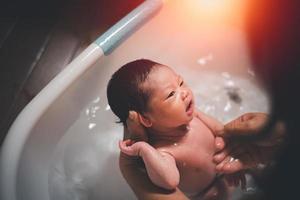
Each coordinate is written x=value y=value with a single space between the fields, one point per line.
x=63 y=145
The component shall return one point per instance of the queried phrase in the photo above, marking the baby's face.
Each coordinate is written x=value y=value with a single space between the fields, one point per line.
x=171 y=102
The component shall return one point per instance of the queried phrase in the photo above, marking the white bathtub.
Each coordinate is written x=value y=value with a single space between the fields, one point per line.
x=68 y=150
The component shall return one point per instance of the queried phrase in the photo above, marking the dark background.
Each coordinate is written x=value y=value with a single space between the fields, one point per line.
x=39 y=37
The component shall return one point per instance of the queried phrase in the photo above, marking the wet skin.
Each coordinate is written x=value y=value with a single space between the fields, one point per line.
x=182 y=137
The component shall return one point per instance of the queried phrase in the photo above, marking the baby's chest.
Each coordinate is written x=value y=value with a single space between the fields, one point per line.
x=196 y=149
x=196 y=168
x=192 y=156
x=198 y=141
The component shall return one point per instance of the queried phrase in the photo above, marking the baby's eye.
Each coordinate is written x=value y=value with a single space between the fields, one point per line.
x=181 y=83
x=171 y=94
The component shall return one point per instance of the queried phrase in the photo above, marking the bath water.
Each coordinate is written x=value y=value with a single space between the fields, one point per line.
x=85 y=163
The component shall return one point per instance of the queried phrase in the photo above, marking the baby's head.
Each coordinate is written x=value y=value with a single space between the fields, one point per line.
x=125 y=89
x=154 y=91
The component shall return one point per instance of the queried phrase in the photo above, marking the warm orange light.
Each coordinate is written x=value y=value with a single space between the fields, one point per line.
x=213 y=11
x=212 y=5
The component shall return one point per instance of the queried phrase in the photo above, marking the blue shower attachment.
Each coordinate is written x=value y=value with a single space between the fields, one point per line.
x=125 y=27
x=19 y=132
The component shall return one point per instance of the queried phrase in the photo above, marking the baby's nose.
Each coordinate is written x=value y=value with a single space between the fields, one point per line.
x=184 y=94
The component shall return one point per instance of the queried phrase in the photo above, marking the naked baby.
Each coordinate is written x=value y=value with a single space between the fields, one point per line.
x=178 y=146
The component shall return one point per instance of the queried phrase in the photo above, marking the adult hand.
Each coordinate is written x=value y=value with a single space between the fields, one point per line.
x=247 y=124
x=240 y=153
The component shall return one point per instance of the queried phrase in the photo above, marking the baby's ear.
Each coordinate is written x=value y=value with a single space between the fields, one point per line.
x=145 y=121
x=135 y=128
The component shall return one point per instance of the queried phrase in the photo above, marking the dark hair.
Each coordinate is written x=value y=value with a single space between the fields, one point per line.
x=124 y=90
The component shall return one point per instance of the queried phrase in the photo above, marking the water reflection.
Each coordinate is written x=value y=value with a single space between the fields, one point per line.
x=205 y=59
x=85 y=164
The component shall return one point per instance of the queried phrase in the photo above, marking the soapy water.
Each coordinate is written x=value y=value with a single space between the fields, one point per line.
x=85 y=163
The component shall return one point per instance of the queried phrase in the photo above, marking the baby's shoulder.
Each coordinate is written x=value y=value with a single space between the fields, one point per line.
x=198 y=114
x=162 y=146
x=166 y=147
x=196 y=122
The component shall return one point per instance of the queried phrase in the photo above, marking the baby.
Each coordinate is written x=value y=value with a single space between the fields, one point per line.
x=179 y=144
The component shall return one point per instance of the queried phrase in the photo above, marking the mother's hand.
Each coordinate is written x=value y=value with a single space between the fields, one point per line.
x=240 y=153
x=247 y=124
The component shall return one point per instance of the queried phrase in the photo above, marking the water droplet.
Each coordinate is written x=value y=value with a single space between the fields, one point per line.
x=261 y=166
x=226 y=75
x=175 y=144
x=230 y=83
x=227 y=107
x=204 y=60
x=96 y=100
x=201 y=61
x=92 y=125
x=250 y=189
x=94 y=109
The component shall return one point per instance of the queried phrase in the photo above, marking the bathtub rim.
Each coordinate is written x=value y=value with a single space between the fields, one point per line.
x=20 y=130
x=13 y=144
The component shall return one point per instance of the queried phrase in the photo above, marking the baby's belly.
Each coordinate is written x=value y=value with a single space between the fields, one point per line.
x=194 y=180
x=195 y=159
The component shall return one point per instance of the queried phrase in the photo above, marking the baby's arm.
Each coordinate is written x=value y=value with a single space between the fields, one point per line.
x=213 y=124
x=161 y=166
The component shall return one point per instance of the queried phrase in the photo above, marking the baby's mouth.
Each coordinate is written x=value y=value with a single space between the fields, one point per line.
x=189 y=107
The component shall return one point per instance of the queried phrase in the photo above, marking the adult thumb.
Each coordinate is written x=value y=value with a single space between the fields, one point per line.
x=236 y=127
x=247 y=124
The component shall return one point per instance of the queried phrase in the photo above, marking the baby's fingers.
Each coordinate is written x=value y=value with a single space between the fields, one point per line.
x=126 y=147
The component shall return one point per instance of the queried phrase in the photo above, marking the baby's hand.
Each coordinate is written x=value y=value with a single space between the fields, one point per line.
x=132 y=148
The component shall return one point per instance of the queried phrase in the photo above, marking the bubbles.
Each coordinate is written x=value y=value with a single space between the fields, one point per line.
x=107 y=107
x=250 y=192
x=226 y=96
x=96 y=100
x=88 y=153
x=225 y=75
x=86 y=156
x=91 y=113
x=205 y=59
x=227 y=107
x=92 y=125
